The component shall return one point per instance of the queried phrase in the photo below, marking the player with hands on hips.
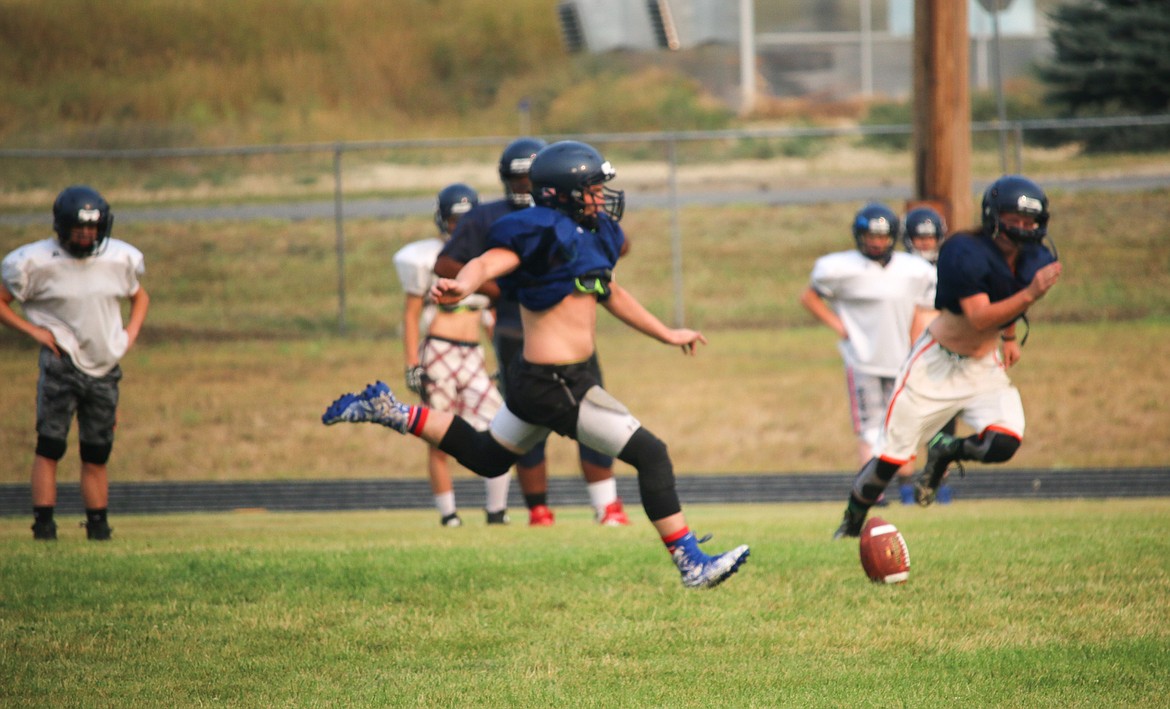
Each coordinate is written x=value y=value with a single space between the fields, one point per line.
x=559 y=257
x=877 y=300
x=988 y=278
x=447 y=367
x=470 y=239
x=70 y=288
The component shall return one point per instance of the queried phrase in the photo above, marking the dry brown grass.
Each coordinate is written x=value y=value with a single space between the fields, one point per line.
x=753 y=401
x=237 y=359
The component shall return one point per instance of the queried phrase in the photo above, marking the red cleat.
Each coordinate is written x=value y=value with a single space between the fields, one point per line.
x=613 y=515
x=540 y=516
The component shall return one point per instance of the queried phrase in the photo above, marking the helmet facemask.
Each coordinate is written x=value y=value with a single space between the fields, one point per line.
x=612 y=202
x=1029 y=208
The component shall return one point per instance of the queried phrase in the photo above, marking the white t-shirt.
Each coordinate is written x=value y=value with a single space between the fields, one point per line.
x=77 y=299
x=876 y=304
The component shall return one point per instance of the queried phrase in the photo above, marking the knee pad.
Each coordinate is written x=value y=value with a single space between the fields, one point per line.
x=651 y=459
x=51 y=448
x=991 y=447
x=96 y=453
x=872 y=479
x=476 y=450
x=604 y=423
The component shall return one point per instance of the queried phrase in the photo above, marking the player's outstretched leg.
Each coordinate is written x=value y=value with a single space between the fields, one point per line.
x=700 y=570
x=374 y=404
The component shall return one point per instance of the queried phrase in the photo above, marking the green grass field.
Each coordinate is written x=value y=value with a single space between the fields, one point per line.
x=1009 y=604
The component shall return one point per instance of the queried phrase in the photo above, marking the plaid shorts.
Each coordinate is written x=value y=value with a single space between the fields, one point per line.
x=63 y=390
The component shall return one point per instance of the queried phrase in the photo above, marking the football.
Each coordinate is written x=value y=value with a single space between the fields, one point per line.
x=884 y=554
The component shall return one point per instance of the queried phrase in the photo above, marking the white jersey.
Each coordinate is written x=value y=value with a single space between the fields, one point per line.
x=77 y=299
x=415 y=264
x=876 y=305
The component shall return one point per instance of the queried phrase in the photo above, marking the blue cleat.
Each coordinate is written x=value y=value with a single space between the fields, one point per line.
x=375 y=404
x=702 y=571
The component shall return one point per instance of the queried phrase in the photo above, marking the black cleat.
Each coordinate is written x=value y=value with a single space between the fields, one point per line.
x=942 y=450
x=500 y=517
x=45 y=531
x=451 y=520
x=851 y=522
x=98 y=531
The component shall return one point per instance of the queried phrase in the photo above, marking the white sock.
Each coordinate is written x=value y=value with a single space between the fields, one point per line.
x=445 y=501
x=603 y=493
x=496 y=490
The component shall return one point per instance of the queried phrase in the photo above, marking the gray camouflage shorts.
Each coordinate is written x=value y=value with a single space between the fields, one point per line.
x=63 y=390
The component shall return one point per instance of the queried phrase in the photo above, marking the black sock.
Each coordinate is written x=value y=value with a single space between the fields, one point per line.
x=95 y=518
x=43 y=515
x=535 y=499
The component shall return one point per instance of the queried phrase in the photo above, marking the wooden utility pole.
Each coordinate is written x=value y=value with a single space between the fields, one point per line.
x=942 y=110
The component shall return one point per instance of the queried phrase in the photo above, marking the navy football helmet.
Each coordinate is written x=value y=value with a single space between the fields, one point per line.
x=1019 y=195
x=80 y=205
x=515 y=162
x=877 y=219
x=919 y=222
x=453 y=202
x=561 y=173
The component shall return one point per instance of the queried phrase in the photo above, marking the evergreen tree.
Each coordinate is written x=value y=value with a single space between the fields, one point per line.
x=1111 y=57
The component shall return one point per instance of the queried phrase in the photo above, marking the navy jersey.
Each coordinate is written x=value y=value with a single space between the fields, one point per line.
x=969 y=264
x=470 y=239
x=554 y=252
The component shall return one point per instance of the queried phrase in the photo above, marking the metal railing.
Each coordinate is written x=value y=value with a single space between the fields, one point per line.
x=668 y=142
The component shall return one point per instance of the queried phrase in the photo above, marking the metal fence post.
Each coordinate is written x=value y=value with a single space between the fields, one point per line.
x=675 y=234
x=1019 y=136
x=339 y=228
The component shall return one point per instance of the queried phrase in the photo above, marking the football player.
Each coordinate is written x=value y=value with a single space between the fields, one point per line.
x=557 y=258
x=446 y=367
x=470 y=240
x=70 y=288
x=923 y=229
x=876 y=300
x=987 y=280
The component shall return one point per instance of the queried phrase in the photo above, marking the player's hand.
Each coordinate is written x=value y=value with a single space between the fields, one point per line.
x=448 y=291
x=1044 y=279
x=416 y=378
x=45 y=338
x=686 y=339
x=1011 y=353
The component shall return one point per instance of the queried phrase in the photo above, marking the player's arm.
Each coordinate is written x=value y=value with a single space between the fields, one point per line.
x=411 y=329
x=625 y=307
x=411 y=337
x=448 y=267
x=12 y=319
x=492 y=263
x=139 y=304
x=815 y=304
x=984 y=316
x=922 y=318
